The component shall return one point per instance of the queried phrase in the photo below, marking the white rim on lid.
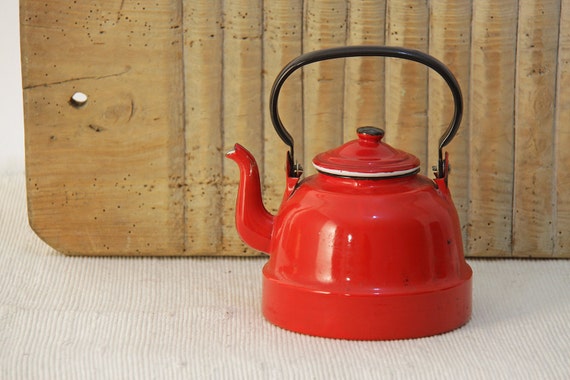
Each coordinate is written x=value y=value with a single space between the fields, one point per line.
x=346 y=173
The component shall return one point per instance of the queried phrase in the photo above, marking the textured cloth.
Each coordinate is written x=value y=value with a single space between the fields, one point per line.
x=168 y=318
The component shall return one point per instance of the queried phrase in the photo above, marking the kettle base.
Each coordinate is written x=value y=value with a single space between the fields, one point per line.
x=367 y=316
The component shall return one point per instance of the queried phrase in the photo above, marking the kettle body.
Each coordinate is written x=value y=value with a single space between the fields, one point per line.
x=367 y=259
x=367 y=248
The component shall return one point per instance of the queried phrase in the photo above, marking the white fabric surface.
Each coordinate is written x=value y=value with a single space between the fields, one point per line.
x=180 y=318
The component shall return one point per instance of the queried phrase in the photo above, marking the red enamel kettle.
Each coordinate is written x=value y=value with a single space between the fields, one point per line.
x=367 y=248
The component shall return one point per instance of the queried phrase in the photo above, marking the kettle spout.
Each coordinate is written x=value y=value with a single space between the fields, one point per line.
x=253 y=222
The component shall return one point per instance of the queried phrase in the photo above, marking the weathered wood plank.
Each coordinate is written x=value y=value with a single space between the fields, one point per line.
x=242 y=102
x=282 y=41
x=450 y=33
x=325 y=27
x=103 y=178
x=364 y=77
x=537 y=50
x=406 y=82
x=562 y=138
x=203 y=37
x=491 y=122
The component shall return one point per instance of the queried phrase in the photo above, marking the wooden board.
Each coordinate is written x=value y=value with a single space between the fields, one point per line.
x=106 y=177
x=406 y=82
x=139 y=169
x=323 y=81
x=450 y=33
x=561 y=187
x=364 y=78
x=537 y=56
x=491 y=126
x=282 y=41
x=241 y=103
x=202 y=60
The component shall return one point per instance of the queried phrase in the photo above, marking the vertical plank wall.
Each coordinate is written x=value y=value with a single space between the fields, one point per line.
x=491 y=47
x=188 y=79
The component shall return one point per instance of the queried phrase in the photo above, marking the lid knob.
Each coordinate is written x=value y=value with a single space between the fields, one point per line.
x=366 y=157
x=370 y=134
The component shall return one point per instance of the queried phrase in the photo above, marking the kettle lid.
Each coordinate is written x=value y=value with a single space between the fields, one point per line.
x=367 y=157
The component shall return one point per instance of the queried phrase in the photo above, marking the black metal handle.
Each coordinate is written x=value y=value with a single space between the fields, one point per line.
x=366 y=51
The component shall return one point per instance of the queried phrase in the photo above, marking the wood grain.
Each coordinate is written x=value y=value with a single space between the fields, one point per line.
x=103 y=178
x=493 y=53
x=364 y=77
x=325 y=27
x=203 y=38
x=406 y=82
x=450 y=33
x=561 y=190
x=283 y=40
x=537 y=50
x=242 y=102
